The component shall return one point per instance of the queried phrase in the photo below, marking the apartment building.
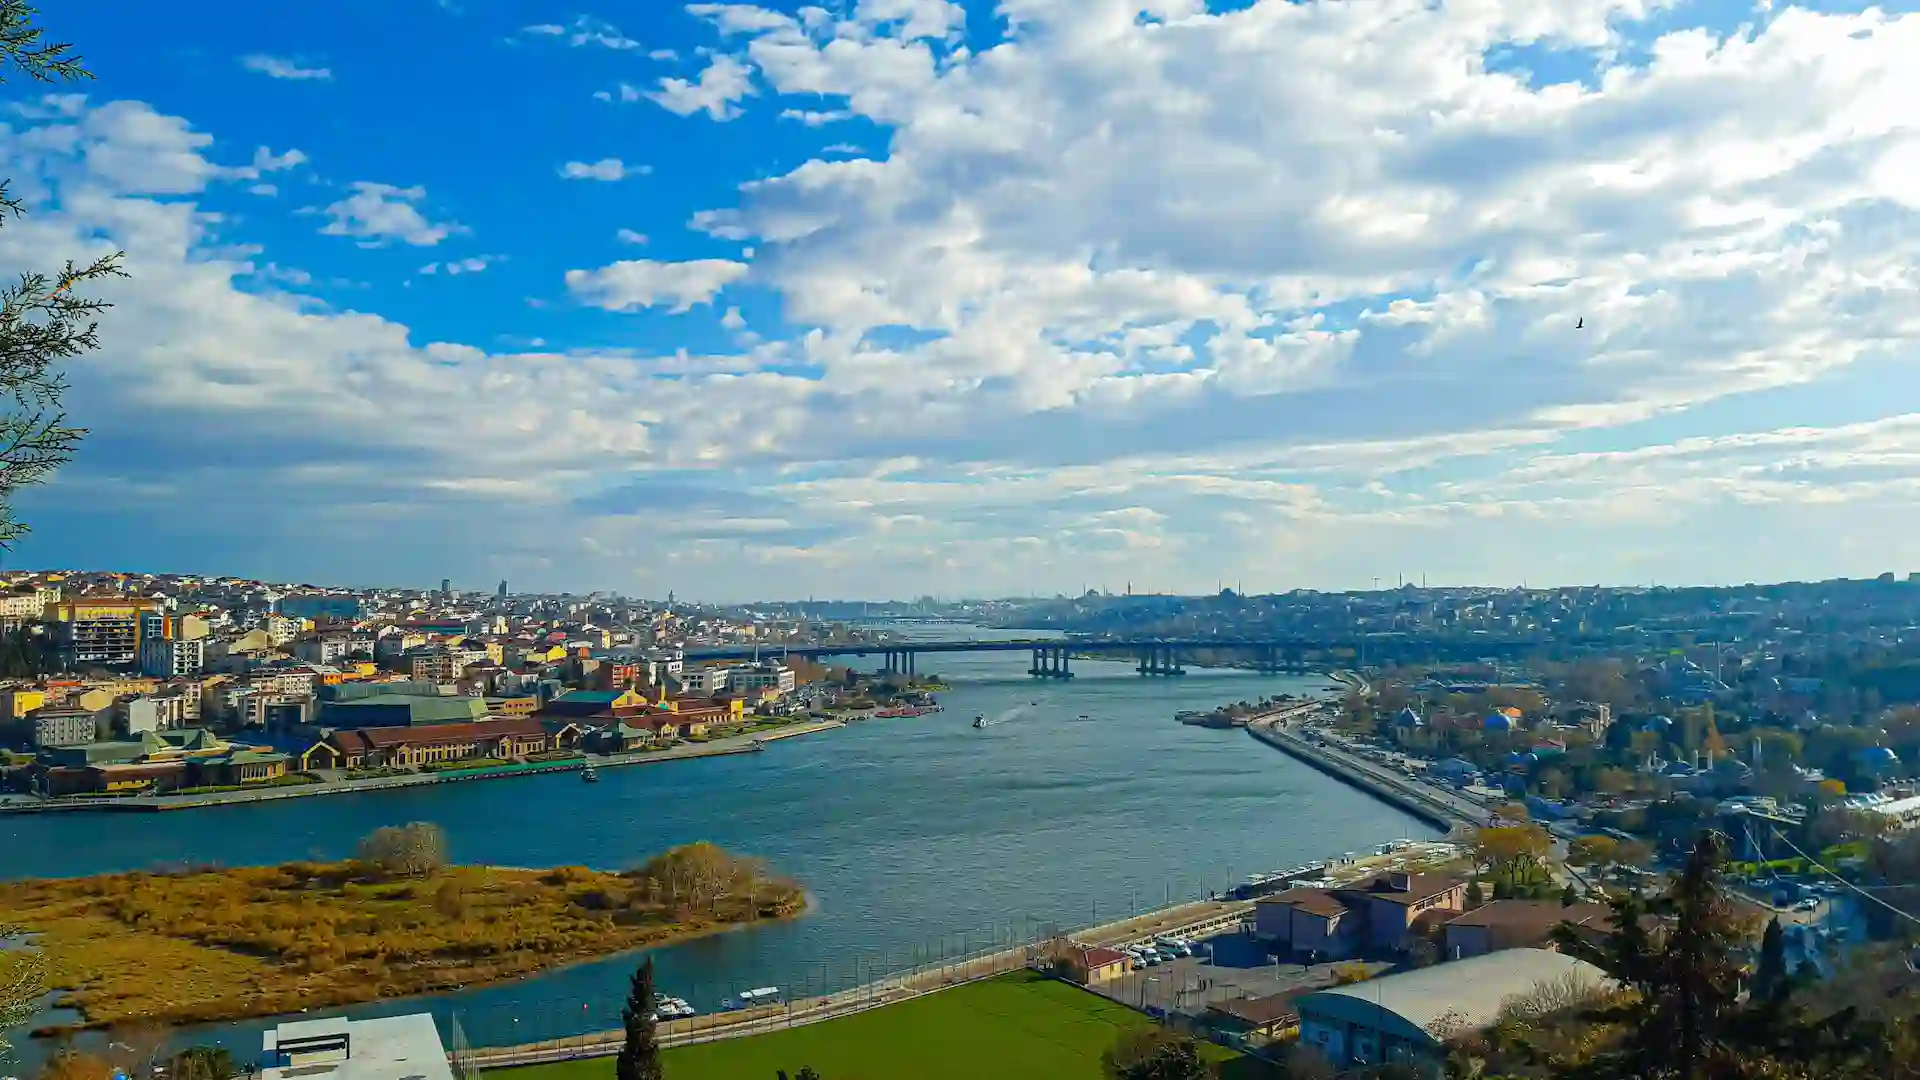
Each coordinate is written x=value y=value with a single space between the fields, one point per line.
x=705 y=681
x=753 y=680
x=99 y=631
x=173 y=658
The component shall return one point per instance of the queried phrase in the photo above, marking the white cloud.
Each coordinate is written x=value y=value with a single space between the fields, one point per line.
x=604 y=169
x=381 y=213
x=279 y=67
x=813 y=118
x=585 y=30
x=1288 y=289
x=473 y=264
x=628 y=236
x=633 y=284
x=718 y=92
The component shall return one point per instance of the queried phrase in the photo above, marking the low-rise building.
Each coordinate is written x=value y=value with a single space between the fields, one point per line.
x=63 y=726
x=1377 y=915
x=336 y=1048
x=1407 y=1017
x=1513 y=924
x=435 y=743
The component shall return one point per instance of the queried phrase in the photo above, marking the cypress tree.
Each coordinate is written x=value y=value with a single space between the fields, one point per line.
x=640 y=1055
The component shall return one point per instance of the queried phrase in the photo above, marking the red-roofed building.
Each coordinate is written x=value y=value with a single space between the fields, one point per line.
x=1090 y=964
x=516 y=737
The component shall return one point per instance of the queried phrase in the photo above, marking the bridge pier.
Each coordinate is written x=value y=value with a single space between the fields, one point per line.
x=900 y=662
x=1050 y=662
x=1160 y=660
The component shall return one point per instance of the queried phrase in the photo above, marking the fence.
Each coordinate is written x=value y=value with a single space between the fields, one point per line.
x=518 y=1035
x=561 y=1029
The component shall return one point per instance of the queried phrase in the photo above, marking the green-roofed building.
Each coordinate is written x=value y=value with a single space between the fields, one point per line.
x=241 y=767
x=401 y=710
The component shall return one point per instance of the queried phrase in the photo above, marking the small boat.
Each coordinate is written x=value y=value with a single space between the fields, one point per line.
x=1084 y=716
x=590 y=774
x=980 y=721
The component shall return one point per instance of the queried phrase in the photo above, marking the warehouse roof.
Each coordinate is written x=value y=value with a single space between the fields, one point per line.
x=1464 y=994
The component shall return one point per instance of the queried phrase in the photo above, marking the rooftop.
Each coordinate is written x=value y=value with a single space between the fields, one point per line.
x=387 y=1048
x=1467 y=993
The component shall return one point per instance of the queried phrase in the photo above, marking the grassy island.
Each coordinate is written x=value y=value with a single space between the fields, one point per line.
x=223 y=944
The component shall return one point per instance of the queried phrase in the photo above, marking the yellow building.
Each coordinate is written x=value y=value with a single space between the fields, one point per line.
x=20 y=701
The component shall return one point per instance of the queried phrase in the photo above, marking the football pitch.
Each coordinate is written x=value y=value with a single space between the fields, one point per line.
x=1015 y=1027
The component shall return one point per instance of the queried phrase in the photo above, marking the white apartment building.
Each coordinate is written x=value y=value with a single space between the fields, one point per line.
x=165 y=658
x=706 y=680
x=162 y=712
x=777 y=677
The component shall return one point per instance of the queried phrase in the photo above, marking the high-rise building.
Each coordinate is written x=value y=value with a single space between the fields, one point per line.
x=100 y=631
x=501 y=592
x=446 y=587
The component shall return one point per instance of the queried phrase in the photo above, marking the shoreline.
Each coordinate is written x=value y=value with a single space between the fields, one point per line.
x=733 y=744
x=381 y=992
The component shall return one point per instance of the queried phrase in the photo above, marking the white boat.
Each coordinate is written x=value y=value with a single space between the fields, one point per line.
x=747 y=999
x=980 y=721
x=590 y=774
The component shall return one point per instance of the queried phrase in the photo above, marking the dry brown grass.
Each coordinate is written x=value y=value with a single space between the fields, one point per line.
x=209 y=945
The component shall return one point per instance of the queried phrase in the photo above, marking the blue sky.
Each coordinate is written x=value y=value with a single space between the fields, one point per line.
x=885 y=297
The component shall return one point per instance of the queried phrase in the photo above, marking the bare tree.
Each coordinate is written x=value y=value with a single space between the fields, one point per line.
x=417 y=849
x=23 y=982
x=42 y=319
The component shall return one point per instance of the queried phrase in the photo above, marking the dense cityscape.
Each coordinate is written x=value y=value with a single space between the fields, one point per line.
x=1567 y=743
x=1078 y=362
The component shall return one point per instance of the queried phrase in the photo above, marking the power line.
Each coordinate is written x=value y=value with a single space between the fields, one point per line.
x=1817 y=865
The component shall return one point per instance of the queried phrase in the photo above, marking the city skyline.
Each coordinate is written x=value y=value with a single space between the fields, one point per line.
x=933 y=298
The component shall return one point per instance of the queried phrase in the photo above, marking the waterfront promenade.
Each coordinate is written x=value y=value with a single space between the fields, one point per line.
x=732 y=744
x=1196 y=918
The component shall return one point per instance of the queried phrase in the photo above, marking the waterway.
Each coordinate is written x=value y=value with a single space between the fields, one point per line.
x=916 y=837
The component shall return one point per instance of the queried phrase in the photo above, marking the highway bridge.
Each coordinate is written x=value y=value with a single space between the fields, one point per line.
x=1157 y=656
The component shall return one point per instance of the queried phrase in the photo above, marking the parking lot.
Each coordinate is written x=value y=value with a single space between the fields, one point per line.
x=1225 y=967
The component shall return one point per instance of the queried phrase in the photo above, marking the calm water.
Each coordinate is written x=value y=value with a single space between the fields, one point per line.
x=917 y=838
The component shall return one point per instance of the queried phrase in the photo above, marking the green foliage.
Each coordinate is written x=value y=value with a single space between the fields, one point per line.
x=640 y=1054
x=43 y=320
x=1154 y=1054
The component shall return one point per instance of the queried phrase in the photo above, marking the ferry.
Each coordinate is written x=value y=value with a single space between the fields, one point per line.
x=747 y=999
x=590 y=774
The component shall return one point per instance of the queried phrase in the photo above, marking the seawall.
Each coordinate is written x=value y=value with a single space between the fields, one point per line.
x=734 y=744
x=1406 y=797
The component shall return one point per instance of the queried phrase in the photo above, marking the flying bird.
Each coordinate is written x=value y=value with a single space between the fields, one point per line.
x=1580 y=323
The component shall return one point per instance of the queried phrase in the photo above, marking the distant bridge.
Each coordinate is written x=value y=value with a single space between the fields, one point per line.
x=1155 y=656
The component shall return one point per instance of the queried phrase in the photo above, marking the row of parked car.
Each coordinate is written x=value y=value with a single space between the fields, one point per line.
x=1156 y=952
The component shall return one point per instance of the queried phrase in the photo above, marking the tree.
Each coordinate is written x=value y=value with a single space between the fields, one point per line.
x=806 y=1073
x=1511 y=849
x=201 y=1063
x=43 y=319
x=417 y=849
x=1592 y=850
x=640 y=1054
x=1154 y=1054
x=1679 y=958
x=1770 y=972
x=1475 y=894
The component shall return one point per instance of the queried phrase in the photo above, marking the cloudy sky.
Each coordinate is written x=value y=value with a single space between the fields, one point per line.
x=890 y=297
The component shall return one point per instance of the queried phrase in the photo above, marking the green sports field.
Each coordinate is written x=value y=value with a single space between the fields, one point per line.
x=1016 y=1027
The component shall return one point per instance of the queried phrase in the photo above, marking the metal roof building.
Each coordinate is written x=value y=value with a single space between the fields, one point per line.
x=1404 y=1017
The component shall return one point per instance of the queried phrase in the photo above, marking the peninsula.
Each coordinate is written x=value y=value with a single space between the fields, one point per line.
x=225 y=944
